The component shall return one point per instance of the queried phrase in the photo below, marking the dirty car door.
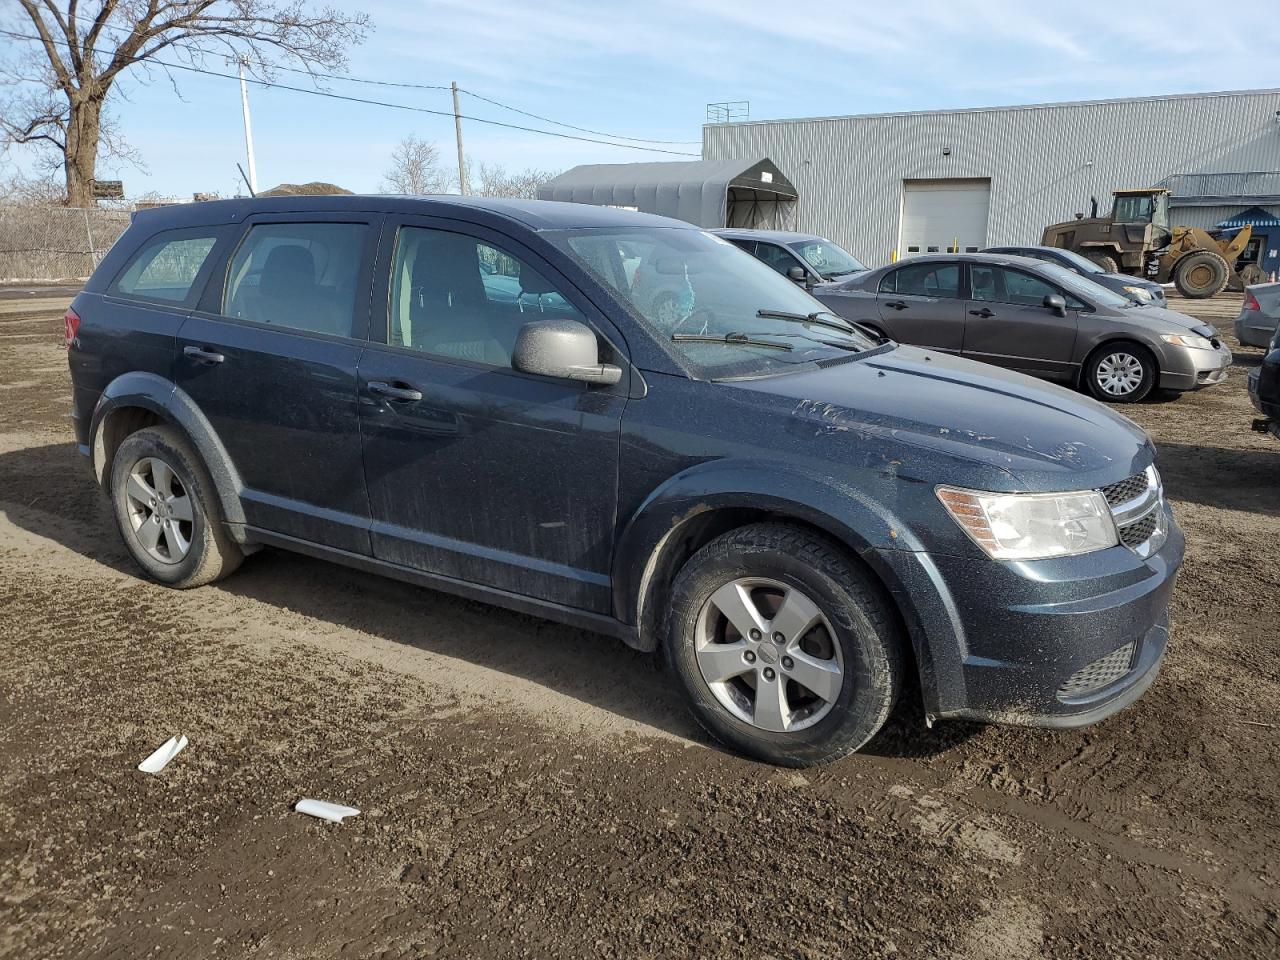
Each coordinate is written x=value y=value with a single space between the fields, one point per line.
x=477 y=471
x=270 y=358
x=920 y=303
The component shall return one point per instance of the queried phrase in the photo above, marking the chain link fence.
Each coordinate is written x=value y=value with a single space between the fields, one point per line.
x=56 y=243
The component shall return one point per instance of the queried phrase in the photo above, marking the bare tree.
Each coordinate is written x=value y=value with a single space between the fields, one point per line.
x=81 y=54
x=43 y=190
x=494 y=180
x=416 y=169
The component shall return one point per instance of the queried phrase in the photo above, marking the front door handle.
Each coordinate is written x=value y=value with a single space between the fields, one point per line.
x=203 y=354
x=380 y=388
x=896 y=304
x=984 y=313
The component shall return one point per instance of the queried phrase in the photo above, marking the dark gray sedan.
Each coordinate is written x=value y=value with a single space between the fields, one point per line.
x=1146 y=292
x=1034 y=317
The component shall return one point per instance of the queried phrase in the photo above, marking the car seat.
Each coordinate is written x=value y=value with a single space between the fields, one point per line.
x=289 y=294
x=449 y=311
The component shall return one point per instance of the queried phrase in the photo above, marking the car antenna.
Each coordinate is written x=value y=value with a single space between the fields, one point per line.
x=246 y=180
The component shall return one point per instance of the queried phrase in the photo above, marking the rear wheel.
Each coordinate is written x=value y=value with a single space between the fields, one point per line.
x=1104 y=260
x=785 y=650
x=166 y=511
x=1120 y=372
x=1201 y=274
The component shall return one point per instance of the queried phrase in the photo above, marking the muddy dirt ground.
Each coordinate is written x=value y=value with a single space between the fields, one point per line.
x=533 y=790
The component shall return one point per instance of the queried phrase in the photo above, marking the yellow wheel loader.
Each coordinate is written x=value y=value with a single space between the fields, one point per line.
x=1136 y=239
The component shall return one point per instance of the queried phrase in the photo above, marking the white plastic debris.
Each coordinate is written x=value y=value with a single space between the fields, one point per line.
x=160 y=759
x=333 y=812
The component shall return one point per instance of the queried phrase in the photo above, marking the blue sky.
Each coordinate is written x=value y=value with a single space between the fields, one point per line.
x=649 y=69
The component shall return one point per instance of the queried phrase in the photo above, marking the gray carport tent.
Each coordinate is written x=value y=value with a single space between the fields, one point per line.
x=706 y=193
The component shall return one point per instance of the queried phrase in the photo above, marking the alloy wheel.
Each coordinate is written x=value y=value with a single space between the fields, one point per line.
x=160 y=511
x=1119 y=374
x=768 y=654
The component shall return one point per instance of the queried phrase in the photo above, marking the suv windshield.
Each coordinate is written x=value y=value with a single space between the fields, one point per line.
x=686 y=283
x=1083 y=287
x=829 y=260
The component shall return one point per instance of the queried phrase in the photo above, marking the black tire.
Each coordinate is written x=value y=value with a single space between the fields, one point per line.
x=1201 y=275
x=862 y=623
x=211 y=554
x=1105 y=260
x=1093 y=373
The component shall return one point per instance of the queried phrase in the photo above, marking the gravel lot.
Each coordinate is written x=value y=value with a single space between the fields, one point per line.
x=533 y=790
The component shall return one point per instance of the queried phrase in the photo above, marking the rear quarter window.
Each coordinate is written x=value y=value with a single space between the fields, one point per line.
x=165 y=268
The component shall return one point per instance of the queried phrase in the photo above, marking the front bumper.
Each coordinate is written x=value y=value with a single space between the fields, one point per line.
x=1187 y=368
x=1057 y=643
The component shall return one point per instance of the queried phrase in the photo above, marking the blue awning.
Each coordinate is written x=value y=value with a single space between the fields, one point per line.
x=1254 y=216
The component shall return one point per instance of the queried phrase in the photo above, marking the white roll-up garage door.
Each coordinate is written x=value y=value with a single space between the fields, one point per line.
x=943 y=215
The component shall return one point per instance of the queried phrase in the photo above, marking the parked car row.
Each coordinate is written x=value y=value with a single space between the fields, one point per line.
x=621 y=422
x=1041 y=311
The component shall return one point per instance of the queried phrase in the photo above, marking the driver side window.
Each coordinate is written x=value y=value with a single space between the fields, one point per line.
x=460 y=298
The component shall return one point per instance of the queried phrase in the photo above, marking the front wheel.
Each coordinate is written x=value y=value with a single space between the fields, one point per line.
x=1120 y=372
x=1201 y=275
x=785 y=649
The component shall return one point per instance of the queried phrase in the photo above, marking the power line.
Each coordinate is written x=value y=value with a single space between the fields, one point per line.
x=393 y=106
x=558 y=123
x=428 y=86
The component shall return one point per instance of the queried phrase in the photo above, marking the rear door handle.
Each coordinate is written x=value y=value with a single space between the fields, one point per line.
x=381 y=388
x=984 y=312
x=896 y=304
x=203 y=354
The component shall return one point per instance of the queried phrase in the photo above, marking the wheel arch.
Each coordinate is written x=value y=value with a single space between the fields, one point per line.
x=1111 y=339
x=134 y=401
x=699 y=505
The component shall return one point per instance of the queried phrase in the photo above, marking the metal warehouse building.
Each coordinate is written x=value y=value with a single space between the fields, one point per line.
x=903 y=183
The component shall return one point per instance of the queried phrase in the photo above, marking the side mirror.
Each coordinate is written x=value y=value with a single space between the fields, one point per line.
x=1057 y=304
x=798 y=274
x=564 y=349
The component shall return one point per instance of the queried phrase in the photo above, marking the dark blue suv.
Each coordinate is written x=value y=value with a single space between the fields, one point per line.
x=481 y=397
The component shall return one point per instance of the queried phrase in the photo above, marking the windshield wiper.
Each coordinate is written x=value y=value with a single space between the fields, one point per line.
x=734 y=339
x=816 y=318
x=853 y=347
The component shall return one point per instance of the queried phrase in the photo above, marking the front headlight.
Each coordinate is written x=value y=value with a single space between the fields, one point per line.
x=1187 y=340
x=1032 y=526
x=1139 y=293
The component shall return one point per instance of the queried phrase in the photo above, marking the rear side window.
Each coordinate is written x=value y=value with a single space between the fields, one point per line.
x=924 y=280
x=297 y=275
x=166 y=266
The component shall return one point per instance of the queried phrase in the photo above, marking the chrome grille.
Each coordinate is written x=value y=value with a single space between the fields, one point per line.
x=1100 y=673
x=1137 y=506
x=1136 y=534
x=1126 y=490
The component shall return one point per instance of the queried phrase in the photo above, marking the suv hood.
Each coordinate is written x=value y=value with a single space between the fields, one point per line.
x=944 y=419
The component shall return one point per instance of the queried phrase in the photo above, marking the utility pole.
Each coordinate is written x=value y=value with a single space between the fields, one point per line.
x=248 y=130
x=457 y=129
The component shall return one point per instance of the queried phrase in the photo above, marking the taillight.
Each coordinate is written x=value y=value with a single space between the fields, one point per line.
x=1251 y=302
x=72 y=321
